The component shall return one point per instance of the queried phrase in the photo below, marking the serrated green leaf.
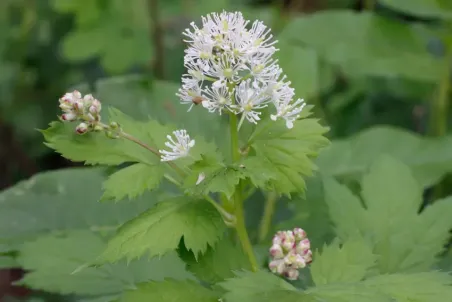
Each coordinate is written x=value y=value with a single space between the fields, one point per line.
x=347 y=292
x=250 y=287
x=96 y=148
x=347 y=263
x=345 y=209
x=141 y=98
x=159 y=230
x=402 y=238
x=217 y=263
x=389 y=190
x=132 y=181
x=59 y=201
x=310 y=212
x=289 y=151
x=422 y=8
x=170 y=291
x=53 y=262
x=421 y=287
x=217 y=178
x=428 y=158
x=260 y=172
x=369 y=44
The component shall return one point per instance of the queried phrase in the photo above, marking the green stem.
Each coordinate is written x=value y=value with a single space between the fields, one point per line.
x=234 y=137
x=149 y=148
x=440 y=105
x=440 y=110
x=227 y=217
x=242 y=233
x=240 y=226
x=267 y=217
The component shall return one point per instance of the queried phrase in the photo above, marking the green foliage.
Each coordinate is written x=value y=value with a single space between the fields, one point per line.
x=132 y=181
x=169 y=291
x=303 y=64
x=389 y=190
x=429 y=158
x=259 y=286
x=141 y=97
x=95 y=148
x=115 y=32
x=59 y=201
x=159 y=230
x=347 y=263
x=217 y=263
x=310 y=212
x=58 y=269
x=287 y=153
x=422 y=287
x=218 y=178
x=366 y=44
x=422 y=8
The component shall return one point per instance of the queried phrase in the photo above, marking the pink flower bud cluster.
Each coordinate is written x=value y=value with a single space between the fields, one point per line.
x=77 y=108
x=291 y=251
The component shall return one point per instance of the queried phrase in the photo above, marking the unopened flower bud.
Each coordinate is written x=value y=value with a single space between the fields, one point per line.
x=79 y=106
x=303 y=246
x=95 y=107
x=66 y=106
x=69 y=117
x=98 y=128
x=82 y=128
x=276 y=251
x=290 y=251
x=277 y=266
x=114 y=125
x=299 y=233
x=288 y=243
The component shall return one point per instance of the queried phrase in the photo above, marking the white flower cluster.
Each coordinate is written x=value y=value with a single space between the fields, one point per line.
x=179 y=147
x=231 y=68
x=291 y=251
x=85 y=109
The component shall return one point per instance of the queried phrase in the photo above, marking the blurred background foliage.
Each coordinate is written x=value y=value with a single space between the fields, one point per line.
x=378 y=73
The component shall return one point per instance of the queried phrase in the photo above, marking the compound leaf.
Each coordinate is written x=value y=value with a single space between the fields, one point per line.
x=160 y=229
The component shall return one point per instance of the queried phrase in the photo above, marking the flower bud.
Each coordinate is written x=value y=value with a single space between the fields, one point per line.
x=299 y=233
x=303 y=246
x=277 y=266
x=95 y=107
x=98 y=128
x=79 y=106
x=276 y=251
x=290 y=251
x=82 y=128
x=65 y=106
x=114 y=125
x=69 y=117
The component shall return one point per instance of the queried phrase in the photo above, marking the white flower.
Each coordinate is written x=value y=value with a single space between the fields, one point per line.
x=179 y=147
x=217 y=98
x=250 y=97
x=190 y=93
x=288 y=111
x=231 y=67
